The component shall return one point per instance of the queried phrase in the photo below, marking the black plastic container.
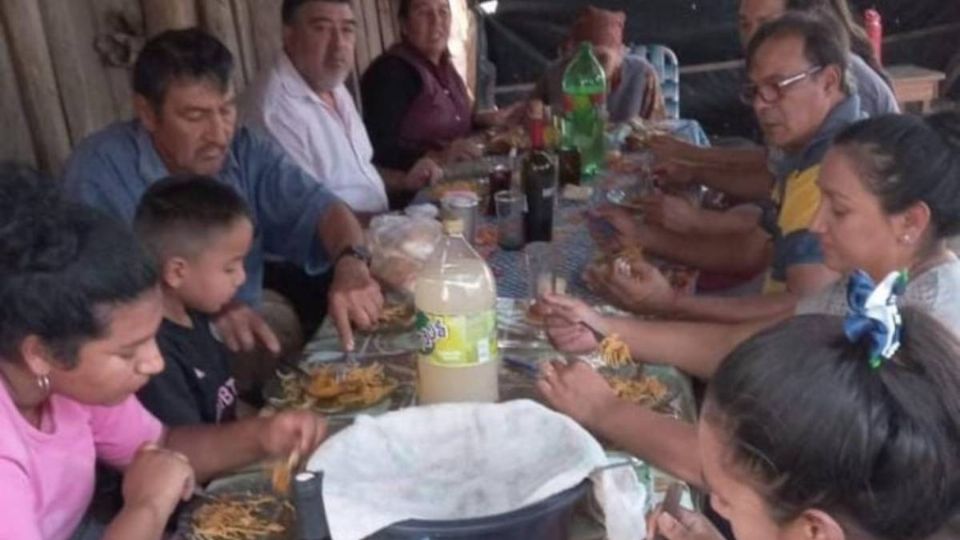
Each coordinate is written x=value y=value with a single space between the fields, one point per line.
x=546 y=520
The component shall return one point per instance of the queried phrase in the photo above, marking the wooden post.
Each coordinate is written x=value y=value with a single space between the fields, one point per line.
x=38 y=84
x=17 y=144
x=161 y=15
x=86 y=97
x=362 y=50
x=372 y=29
x=268 y=30
x=106 y=14
x=387 y=25
x=217 y=18
x=248 y=53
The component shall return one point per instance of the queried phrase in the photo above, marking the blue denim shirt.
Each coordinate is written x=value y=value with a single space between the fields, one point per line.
x=111 y=169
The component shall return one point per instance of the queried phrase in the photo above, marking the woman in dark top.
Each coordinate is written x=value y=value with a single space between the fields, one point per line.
x=414 y=101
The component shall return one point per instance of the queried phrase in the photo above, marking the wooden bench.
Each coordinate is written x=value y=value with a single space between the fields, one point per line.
x=914 y=84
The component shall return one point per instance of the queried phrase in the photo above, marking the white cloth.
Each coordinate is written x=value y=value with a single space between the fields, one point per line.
x=462 y=461
x=331 y=143
x=935 y=291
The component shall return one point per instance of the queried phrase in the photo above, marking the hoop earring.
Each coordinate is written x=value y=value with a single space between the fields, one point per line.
x=43 y=382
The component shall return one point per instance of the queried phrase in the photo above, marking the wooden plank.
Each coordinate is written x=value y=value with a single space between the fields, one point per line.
x=267 y=30
x=38 y=84
x=371 y=30
x=248 y=53
x=216 y=17
x=119 y=18
x=163 y=15
x=362 y=49
x=385 y=14
x=17 y=145
x=85 y=90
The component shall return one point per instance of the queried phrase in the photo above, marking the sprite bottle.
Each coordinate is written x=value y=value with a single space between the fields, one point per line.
x=584 y=104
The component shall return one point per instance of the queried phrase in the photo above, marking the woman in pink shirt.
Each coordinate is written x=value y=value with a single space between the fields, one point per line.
x=79 y=307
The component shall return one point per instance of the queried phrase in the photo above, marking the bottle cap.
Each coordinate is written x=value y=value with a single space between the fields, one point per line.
x=453 y=226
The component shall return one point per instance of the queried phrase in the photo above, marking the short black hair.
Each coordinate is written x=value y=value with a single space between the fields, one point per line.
x=177 y=215
x=190 y=53
x=289 y=9
x=825 y=42
x=906 y=159
x=63 y=267
x=810 y=424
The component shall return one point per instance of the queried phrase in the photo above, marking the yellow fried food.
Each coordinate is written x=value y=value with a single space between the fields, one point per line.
x=334 y=389
x=238 y=517
x=614 y=351
x=643 y=391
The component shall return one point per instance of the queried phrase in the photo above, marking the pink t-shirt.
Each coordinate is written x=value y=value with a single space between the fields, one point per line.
x=47 y=476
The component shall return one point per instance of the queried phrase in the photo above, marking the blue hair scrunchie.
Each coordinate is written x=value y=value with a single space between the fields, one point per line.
x=873 y=314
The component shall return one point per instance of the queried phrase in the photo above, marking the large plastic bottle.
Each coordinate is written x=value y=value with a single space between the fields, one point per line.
x=584 y=104
x=456 y=299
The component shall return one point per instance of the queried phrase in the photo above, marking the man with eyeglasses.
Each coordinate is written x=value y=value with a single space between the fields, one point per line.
x=798 y=89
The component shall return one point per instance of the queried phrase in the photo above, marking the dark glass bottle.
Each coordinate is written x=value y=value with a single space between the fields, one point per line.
x=539 y=176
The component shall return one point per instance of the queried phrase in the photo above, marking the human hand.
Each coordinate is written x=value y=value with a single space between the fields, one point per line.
x=578 y=391
x=673 y=172
x=424 y=172
x=241 y=328
x=623 y=227
x=354 y=297
x=673 y=213
x=686 y=526
x=289 y=431
x=462 y=150
x=641 y=288
x=565 y=317
x=157 y=479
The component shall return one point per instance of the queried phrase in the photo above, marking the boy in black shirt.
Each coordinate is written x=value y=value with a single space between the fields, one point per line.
x=199 y=230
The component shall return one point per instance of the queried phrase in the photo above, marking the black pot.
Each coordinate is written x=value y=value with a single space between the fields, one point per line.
x=546 y=520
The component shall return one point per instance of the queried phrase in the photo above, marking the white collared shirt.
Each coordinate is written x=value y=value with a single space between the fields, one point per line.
x=329 y=143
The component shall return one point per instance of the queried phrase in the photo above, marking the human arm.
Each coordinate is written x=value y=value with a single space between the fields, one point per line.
x=424 y=172
x=581 y=393
x=354 y=295
x=749 y=180
x=686 y=525
x=644 y=290
x=679 y=215
x=153 y=485
x=732 y=252
x=696 y=348
x=214 y=450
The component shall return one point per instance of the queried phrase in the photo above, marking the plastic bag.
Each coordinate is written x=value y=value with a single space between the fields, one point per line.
x=399 y=246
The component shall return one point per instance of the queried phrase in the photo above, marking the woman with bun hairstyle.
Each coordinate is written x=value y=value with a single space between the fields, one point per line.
x=891 y=198
x=802 y=437
x=79 y=307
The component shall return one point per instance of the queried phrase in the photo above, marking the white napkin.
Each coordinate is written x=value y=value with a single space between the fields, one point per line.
x=462 y=461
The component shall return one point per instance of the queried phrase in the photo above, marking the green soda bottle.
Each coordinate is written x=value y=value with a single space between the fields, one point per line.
x=584 y=104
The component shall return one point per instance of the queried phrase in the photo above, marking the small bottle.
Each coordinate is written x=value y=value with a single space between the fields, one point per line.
x=539 y=177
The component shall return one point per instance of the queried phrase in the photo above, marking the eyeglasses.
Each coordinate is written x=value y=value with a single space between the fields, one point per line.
x=771 y=92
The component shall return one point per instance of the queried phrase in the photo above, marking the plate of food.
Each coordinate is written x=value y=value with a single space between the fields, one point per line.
x=334 y=389
x=242 y=507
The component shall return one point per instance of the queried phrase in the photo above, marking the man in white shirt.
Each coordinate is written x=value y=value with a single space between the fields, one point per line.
x=302 y=102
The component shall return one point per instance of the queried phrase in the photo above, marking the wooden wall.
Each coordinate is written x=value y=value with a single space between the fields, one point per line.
x=65 y=64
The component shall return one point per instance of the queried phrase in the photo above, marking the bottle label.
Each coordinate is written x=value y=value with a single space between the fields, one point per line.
x=458 y=340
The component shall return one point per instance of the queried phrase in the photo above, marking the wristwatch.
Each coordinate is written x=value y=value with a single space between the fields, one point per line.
x=359 y=252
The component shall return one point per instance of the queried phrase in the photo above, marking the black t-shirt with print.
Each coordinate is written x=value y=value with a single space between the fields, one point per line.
x=196 y=386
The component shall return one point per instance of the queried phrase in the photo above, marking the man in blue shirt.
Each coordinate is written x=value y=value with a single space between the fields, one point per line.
x=186 y=124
